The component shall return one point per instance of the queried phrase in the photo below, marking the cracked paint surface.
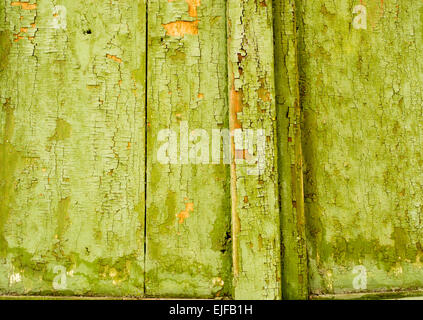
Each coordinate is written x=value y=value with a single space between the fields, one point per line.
x=361 y=92
x=186 y=251
x=72 y=192
x=255 y=206
x=339 y=99
x=290 y=156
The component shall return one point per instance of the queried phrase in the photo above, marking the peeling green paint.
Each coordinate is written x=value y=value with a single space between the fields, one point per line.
x=85 y=94
x=186 y=252
x=360 y=91
x=71 y=156
x=290 y=156
x=255 y=205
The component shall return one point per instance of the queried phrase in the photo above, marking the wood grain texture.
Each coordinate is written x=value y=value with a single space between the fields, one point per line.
x=71 y=147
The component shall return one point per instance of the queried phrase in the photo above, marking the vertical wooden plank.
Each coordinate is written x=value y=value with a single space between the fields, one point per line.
x=362 y=98
x=255 y=208
x=72 y=82
x=188 y=206
x=294 y=253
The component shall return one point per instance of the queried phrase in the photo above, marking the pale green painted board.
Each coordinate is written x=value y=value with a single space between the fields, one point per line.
x=361 y=92
x=254 y=174
x=188 y=205
x=72 y=147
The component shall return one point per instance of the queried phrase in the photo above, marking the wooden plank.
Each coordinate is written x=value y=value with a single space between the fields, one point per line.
x=188 y=206
x=294 y=253
x=72 y=147
x=362 y=98
x=255 y=207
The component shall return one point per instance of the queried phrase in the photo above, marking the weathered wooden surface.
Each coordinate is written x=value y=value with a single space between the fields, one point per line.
x=188 y=199
x=290 y=157
x=340 y=89
x=361 y=94
x=71 y=153
x=255 y=207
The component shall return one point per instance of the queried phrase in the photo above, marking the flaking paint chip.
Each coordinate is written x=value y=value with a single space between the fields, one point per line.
x=181 y=28
x=114 y=58
x=24 y=5
x=185 y=214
